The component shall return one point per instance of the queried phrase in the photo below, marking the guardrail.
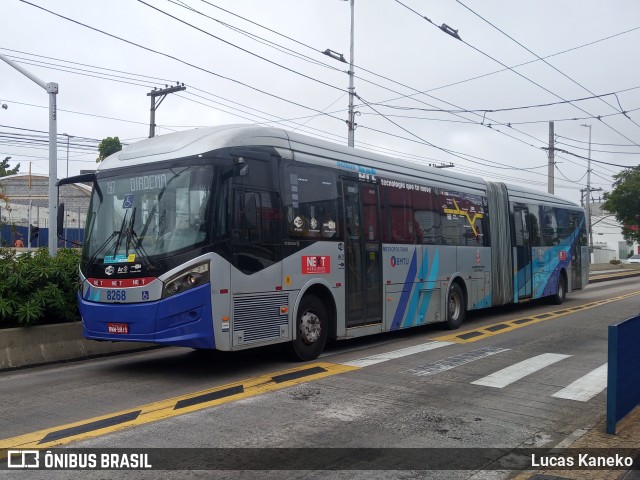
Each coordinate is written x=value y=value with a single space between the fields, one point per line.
x=623 y=376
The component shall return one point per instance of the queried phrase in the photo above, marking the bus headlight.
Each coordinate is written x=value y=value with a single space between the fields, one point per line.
x=189 y=278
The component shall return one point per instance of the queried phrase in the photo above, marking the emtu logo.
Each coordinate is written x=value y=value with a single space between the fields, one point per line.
x=398 y=261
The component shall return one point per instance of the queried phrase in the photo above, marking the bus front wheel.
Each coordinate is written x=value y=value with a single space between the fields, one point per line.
x=456 y=309
x=560 y=295
x=312 y=329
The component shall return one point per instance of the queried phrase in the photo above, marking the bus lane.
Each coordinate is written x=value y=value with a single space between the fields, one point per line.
x=443 y=379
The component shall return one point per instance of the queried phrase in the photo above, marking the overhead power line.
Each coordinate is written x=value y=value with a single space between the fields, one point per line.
x=473 y=47
x=172 y=57
x=547 y=63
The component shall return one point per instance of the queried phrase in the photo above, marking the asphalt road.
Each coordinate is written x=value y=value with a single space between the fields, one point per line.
x=522 y=376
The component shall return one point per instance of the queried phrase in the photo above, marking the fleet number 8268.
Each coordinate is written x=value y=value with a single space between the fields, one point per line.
x=116 y=295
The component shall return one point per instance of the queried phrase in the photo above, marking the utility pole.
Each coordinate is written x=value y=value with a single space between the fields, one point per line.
x=156 y=103
x=68 y=136
x=550 y=170
x=588 y=200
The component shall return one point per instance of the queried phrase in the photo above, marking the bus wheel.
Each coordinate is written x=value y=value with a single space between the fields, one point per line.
x=561 y=294
x=312 y=329
x=456 y=310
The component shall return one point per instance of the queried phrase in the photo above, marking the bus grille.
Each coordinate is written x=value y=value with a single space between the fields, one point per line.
x=258 y=318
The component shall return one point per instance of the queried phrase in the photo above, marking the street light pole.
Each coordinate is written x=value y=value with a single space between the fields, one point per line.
x=588 y=199
x=52 y=90
x=351 y=123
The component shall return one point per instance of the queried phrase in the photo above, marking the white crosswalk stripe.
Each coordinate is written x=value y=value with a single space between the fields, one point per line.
x=586 y=387
x=583 y=389
x=507 y=376
x=385 y=357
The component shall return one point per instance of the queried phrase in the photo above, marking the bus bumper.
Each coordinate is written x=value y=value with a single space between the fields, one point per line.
x=183 y=320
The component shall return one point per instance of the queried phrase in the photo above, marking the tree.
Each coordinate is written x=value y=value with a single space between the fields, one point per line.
x=5 y=171
x=624 y=202
x=108 y=146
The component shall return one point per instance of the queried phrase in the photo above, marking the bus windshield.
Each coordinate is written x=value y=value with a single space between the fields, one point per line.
x=156 y=213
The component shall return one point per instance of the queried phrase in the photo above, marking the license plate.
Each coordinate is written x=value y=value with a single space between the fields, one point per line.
x=118 y=328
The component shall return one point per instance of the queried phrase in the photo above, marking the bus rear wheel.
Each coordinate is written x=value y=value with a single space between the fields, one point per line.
x=312 y=329
x=456 y=309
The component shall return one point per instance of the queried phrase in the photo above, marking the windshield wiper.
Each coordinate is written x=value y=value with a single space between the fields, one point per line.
x=129 y=231
x=124 y=219
x=95 y=255
x=137 y=243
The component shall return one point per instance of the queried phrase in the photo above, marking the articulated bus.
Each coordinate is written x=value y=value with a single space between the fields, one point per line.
x=236 y=236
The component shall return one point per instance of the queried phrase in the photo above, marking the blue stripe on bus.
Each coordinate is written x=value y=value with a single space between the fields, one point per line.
x=411 y=318
x=404 y=298
x=430 y=285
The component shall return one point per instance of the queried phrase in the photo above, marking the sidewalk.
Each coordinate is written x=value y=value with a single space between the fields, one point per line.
x=603 y=273
x=627 y=437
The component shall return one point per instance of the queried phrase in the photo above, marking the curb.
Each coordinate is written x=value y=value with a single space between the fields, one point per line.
x=603 y=277
x=45 y=344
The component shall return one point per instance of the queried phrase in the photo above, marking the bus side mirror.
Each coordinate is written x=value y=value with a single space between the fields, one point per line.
x=60 y=220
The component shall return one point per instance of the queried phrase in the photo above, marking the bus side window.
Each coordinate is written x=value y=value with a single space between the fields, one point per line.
x=310 y=199
x=256 y=223
x=549 y=227
x=398 y=215
x=426 y=214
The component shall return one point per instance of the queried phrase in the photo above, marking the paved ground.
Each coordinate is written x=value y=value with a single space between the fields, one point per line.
x=627 y=437
x=627 y=433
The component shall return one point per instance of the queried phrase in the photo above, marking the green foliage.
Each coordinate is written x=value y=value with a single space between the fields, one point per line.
x=624 y=202
x=5 y=170
x=37 y=288
x=108 y=146
x=615 y=262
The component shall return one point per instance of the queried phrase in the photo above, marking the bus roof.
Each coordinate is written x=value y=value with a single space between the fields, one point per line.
x=202 y=140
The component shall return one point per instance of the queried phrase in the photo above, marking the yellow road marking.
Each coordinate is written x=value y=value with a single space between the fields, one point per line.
x=94 y=427
x=171 y=407
x=480 y=333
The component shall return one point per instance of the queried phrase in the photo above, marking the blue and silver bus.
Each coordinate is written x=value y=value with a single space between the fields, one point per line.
x=233 y=237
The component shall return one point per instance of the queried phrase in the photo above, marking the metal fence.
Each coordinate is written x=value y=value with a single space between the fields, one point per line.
x=9 y=235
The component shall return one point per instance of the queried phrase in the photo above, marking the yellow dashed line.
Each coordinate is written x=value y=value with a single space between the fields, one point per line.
x=172 y=407
x=192 y=402
x=484 y=332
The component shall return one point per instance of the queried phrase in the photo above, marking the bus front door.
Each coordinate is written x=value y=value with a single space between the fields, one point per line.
x=576 y=252
x=523 y=251
x=363 y=254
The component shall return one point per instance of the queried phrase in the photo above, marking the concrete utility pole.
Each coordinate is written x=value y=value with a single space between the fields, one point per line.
x=550 y=170
x=588 y=200
x=68 y=137
x=156 y=103
x=52 y=90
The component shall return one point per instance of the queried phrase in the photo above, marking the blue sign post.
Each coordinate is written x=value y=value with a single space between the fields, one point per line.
x=623 y=377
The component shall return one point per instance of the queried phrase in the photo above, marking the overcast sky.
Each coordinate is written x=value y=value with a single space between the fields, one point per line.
x=261 y=61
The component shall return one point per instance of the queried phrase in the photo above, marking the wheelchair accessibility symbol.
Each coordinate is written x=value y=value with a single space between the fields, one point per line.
x=128 y=201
